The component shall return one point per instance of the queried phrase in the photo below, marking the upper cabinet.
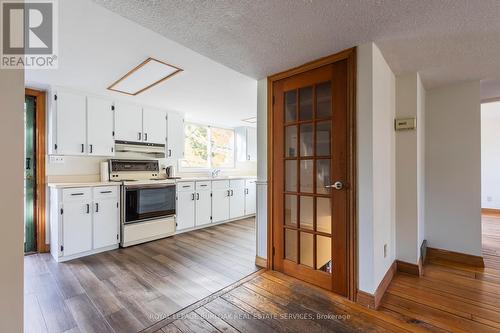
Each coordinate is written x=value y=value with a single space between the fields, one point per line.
x=246 y=143
x=175 y=135
x=128 y=122
x=70 y=128
x=100 y=140
x=81 y=125
x=154 y=126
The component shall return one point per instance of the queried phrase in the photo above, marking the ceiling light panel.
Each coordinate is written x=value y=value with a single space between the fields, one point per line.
x=144 y=76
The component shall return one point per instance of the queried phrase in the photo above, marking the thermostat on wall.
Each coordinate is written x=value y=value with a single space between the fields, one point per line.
x=405 y=124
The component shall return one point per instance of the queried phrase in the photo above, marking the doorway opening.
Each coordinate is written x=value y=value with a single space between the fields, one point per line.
x=34 y=172
x=311 y=160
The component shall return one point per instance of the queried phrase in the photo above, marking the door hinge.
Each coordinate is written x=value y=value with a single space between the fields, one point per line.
x=274 y=251
x=55 y=97
x=62 y=211
x=62 y=248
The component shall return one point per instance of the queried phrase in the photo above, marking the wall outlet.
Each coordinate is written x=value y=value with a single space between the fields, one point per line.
x=385 y=250
x=56 y=159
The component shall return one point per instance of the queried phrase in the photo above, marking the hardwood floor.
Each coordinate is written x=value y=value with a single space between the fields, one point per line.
x=127 y=290
x=452 y=297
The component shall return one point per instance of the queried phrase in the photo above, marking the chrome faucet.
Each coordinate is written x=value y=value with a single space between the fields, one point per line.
x=215 y=173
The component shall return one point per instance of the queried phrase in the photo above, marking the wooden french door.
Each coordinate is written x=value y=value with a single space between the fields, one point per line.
x=310 y=179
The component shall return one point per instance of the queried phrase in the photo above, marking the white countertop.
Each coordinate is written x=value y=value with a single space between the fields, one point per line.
x=83 y=184
x=194 y=179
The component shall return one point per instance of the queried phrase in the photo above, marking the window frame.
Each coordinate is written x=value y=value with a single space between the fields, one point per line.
x=185 y=169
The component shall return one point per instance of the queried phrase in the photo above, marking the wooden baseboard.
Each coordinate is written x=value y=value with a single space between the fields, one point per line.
x=457 y=257
x=261 y=262
x=413 y=269
x=490 y=211
x=373 y=301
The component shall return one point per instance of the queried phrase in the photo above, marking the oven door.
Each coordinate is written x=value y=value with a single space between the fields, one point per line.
x=146 y=202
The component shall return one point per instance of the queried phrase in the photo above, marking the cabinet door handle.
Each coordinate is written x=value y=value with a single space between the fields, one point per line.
x=74 y=194
x=192 y=196
x=83 y=148
x=197 y=196
x=88 y=209
x=139 y=136
x=145 y=136
x=169 y=152
x=104 y=192
x=232 y=193
x=228 y=193
x=91 y=148
x=97 y=207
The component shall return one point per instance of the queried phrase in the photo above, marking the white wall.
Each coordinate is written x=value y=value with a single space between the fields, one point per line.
x=376 y=166
x=410 y=99
x=11 y=200
x=262 y=168
x=453 y=168
x=490 y=155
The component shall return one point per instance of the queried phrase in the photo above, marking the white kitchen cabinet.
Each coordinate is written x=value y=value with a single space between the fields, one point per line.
x=154 y=126
x=250 y=196
x=76 y=221
x=236 y=198
x=185 y=210
x=128 y=122
x=100 y=139
x=83 y=221
x=246 y=144
x=175 y=135
x=106 y=216
x=203 y=203
x=70 y=123
x=220 y=200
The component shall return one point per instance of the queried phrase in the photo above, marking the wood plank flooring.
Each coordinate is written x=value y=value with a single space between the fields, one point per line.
x=128 y=290
x=452 y=297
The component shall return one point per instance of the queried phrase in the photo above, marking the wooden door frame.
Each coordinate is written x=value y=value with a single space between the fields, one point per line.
x=350 y=56
x=40 y=150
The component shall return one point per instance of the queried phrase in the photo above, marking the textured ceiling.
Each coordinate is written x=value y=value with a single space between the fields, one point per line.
x=446 y=40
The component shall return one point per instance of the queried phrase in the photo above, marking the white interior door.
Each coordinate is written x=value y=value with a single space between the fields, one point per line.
x=250 y=197
x=106 y=220
x=100 y=114
x=237 y=199
x=175 y=135
x=154 y=126
x=70 y=123
x=185 y=209
x=128 y=122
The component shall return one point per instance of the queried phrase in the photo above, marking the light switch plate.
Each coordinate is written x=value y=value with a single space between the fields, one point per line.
x=405 y=124
x=56 y=159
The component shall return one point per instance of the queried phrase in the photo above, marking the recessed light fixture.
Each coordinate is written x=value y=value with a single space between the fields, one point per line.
x=144 y=76
x=252 y=120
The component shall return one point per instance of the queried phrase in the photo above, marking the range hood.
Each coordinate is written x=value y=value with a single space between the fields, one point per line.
x=150 y=149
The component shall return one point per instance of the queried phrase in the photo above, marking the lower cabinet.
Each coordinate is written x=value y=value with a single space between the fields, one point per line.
x=237 y=198
x=83 y=221
x=220 y=200
x=203 y=203
x=250 y=196
x=185 y=210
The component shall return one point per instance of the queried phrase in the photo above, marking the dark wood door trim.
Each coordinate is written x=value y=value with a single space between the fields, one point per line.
x=40 y=139
x=350 y=56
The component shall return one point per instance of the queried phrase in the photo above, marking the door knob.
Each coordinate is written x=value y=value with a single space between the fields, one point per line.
x=338 y=185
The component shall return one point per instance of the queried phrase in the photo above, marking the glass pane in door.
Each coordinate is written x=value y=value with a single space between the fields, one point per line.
x=306 y=212
x=291 y=244
x=291 y=106
x=323 y=100
x=306 y=140
x=291 y=209
x=291 y=141
x=324 y=253
x=291 y=176
x=306 y=176
x=306 y=103
x=306 y=249
x=323 y=138
x=322 y=176
x=323 y=215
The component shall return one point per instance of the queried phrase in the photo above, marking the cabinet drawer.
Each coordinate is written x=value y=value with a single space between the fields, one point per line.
x=103 y=192
x=204 y=185
x=77 y=194
x=237 y=183
x=220 y=184
x=249 y=182
x=185 y=187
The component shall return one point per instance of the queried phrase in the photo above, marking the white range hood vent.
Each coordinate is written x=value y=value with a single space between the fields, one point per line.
x=148 y=149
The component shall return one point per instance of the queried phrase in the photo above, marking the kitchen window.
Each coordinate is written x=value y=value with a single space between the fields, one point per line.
x=208 y=147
